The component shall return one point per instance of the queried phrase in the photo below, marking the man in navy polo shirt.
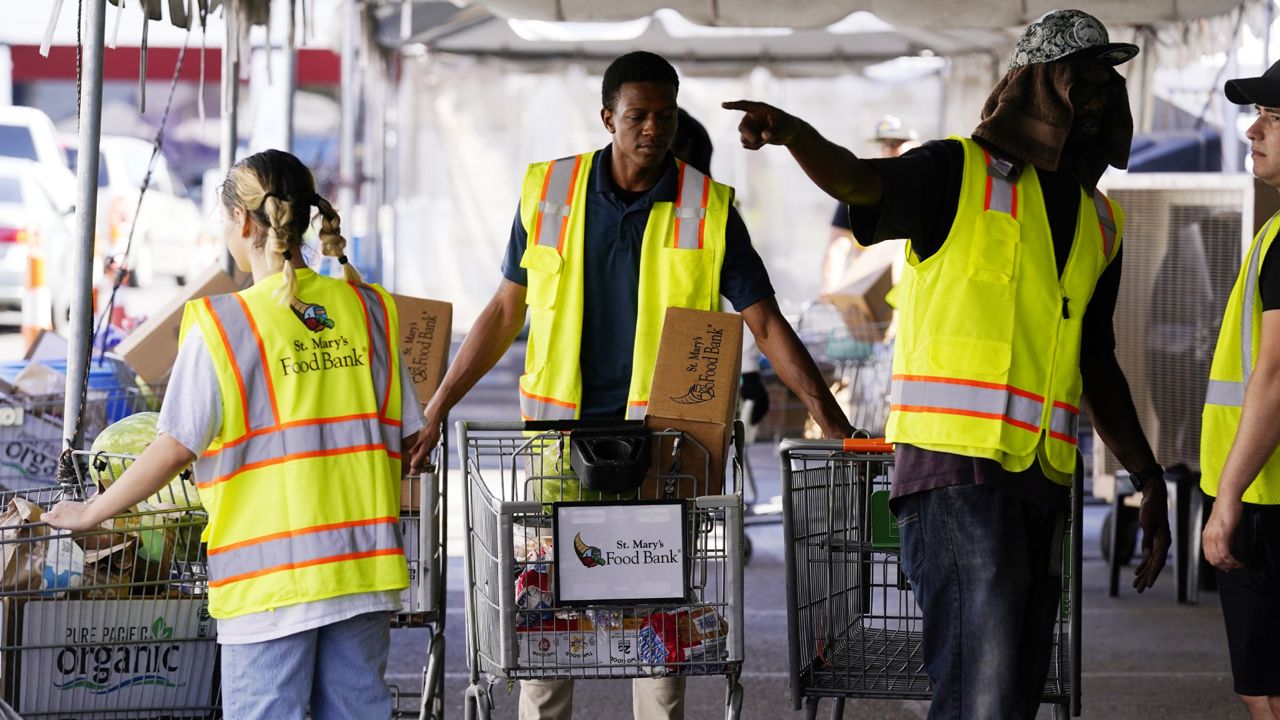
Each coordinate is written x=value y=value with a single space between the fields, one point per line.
x=584 y=220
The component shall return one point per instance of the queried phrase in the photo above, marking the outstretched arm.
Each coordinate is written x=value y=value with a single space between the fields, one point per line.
x=841 y=174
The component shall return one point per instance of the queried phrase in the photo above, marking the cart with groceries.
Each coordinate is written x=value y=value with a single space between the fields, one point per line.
x=853 y=625
x=112 y=623
x=600 y=549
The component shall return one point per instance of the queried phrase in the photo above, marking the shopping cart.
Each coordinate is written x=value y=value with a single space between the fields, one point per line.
x=518 y=480
x=31 y=429
x=423 y=523
x=111 y=623
x=856 y=356
x=853 y=625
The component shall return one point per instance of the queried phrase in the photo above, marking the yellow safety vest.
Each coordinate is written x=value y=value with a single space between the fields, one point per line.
x=680 y=259
x=1233 y=361
x=987 y=357
x=301 y=482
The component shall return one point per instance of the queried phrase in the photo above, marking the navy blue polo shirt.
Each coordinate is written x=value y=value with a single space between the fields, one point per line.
x=614 y=230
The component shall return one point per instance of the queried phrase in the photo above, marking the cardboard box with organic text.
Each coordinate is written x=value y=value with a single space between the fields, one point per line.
x=695 y=391
x=425 y=333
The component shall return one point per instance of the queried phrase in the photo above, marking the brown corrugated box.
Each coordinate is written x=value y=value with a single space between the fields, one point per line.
x=152 y=348
x=695 y=391
x=862 y=300
x=426 y=328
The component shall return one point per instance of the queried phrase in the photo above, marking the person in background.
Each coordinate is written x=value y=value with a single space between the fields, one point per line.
x=1005 y=334
x=298 y=462
x=596 y=256
x=693 y=145
x=893 y=139
x=1240 y=432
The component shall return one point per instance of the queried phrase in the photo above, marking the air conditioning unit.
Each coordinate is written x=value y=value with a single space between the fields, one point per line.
x=1185 y=235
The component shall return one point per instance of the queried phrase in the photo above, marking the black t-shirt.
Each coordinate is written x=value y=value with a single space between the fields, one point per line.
x=921 y=194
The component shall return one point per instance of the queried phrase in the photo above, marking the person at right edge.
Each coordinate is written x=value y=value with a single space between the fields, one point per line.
x=1239 y=434
x=1012 y=274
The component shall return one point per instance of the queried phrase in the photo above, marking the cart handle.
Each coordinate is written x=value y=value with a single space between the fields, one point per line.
x=866 y=445
x=568 y=426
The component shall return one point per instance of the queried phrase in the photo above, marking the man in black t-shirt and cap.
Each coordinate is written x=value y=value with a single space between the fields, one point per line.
x=1004 y=334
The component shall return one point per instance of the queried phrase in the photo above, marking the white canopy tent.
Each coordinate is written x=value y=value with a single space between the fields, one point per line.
x=459 y=153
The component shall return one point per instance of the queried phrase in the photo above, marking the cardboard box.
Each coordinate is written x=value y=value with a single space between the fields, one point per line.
x=695 y=390
x=426 y=328
x=30 y=443
x=862 y=299
x=419 y=552
x=125 y=656
x=152 y=347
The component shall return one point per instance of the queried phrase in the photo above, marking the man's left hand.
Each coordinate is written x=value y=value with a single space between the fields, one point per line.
x=1218 y=532
x=1153 y=517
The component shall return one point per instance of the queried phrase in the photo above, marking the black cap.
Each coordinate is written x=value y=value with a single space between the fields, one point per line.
x=1263 y=90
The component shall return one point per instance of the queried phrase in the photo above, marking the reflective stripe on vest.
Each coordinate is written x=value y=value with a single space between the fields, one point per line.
x=637 y=410
x=691 y=209
x=1017 y=407
x=551 y=220
x=305 y=438
x=533 y=407
x=240 y=335
x=1106 y=222
x=302 y=548
x=1226 y=392
x=379 y=343
x=1002 y=195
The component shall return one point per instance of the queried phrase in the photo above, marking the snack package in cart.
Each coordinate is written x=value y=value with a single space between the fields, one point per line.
x=535 y=595
x=53 y=563
x=688 y=640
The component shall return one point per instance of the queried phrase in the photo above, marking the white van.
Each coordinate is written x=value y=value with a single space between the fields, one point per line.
x=26 y=133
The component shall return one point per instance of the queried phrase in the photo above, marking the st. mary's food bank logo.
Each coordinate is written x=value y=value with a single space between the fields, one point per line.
x=634 y=552
x=315 y=317
x=703 y=359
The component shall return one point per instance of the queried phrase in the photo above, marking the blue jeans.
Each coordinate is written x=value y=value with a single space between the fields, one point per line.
x=986 y=571
x=336 y=670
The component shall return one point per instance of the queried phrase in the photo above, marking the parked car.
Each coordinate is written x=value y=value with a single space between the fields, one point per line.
x=26 y=133
x=168 y=229
x=29 y=217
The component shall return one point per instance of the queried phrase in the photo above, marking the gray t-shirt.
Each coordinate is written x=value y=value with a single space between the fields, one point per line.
x=192 y=414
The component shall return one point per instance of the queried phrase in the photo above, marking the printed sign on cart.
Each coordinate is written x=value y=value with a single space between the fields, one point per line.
x=147 y=657
x=620 y=553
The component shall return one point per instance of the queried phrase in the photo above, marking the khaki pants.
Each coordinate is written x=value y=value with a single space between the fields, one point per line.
x=651 y=699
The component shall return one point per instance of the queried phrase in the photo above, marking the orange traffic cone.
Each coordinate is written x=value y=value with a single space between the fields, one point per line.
x=37 y=303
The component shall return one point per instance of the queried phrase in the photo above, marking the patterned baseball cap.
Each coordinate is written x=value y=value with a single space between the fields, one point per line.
x=1063 y=34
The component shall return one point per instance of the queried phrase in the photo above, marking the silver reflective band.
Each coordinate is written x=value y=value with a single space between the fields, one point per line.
x=945 y=396
x=1063 y=422
x=313 y=546
x=1001 y=195
x=1105 y=223
x=554 y=207
x=1225 y=393
x=536 y=409
x=243 y=347
x=637 y=412
x=1246 y=313
x=690 y=208
x=379 y=352
x=311 y=437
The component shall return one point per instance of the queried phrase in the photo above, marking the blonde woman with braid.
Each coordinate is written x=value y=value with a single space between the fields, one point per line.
x=290 y=398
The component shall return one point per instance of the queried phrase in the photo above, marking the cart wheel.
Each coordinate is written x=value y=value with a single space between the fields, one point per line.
x=1128 y=535
x=746 y=548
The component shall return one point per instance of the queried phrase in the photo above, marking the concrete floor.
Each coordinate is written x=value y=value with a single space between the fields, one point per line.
x=1144 y=656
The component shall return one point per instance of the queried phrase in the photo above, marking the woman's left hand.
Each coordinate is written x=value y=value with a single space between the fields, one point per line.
x=74 y=516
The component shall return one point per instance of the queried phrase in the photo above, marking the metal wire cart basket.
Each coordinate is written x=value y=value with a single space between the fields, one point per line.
x=853 y=625
x=111 y=623
x=600 y=551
